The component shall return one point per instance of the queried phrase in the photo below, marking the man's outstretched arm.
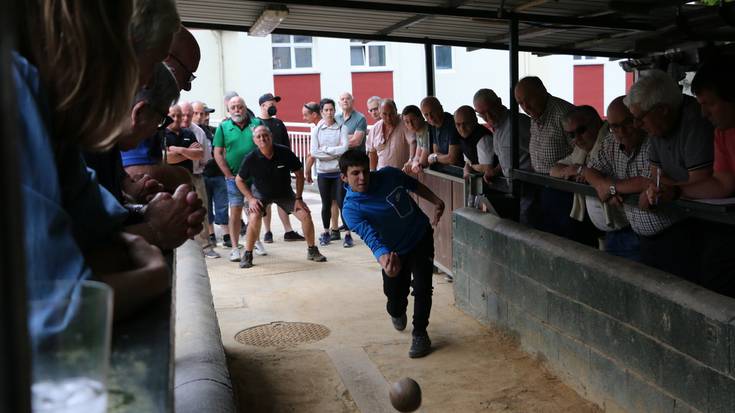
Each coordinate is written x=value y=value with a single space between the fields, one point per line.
x=424 y=192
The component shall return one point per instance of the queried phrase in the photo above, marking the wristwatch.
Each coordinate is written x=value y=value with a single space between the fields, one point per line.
x=580 y=169
x=612 y=190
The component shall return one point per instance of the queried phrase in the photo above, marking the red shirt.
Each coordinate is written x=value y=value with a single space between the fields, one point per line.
x=725 y=150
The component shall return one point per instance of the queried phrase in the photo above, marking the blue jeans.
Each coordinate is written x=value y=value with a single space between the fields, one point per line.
x=217 y=198
x=623 y=243
x=234 y=196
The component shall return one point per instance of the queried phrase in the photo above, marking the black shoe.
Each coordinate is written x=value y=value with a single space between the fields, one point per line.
x=342 y=227
x=313 y=254
x=399 y=323
x=226 y=241
x=420 y=346
x=247 y=260
x=212 y=240
x=243 y=227
x=268 y=237
x=293 y=236
x=334 y=235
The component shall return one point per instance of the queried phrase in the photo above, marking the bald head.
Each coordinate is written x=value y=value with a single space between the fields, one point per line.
x=433 y=111
x=175 y=113
x=465 y=120
x=620 y=121
x=199 y=115
x=531 y=95
x=389 y=112
x=345 y=102
x=187 y=110
x=183 y=57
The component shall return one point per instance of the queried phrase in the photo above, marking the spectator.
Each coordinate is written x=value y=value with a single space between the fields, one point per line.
x=152 y=28
x=214 y=180
x=388 y=142
x=270 y=166
x=353 y=120
x=233 y=141
x=444 y=137
x=312 y=115
x=182 y=147
x=621 y=168
x=373 y=107
x=399 y=234
x=279 y=133
x=471 y=133
x=183 y=58
x=416 y=125
x=547 y=145
x=329 y=140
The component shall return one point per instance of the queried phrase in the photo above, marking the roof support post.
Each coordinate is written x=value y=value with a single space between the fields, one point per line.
x=513 y=105
x=430 y=81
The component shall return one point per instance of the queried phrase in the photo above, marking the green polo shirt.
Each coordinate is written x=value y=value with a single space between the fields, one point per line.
x=238 y=143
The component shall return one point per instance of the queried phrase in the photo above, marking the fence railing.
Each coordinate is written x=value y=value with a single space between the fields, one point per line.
x=300 y=142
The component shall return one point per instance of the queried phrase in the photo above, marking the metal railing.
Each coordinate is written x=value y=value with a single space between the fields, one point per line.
x=300 y=142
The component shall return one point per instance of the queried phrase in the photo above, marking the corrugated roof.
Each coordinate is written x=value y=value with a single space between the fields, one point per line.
x=602 y=27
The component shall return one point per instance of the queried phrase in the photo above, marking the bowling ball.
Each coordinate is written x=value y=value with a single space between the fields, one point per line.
x=405 y=395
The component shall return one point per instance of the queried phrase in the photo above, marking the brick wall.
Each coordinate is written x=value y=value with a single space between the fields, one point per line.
x=625 y=336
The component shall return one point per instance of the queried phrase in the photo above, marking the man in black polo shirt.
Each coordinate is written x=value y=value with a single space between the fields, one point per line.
x=182 y=148
x=445 y=148
x=269 y=168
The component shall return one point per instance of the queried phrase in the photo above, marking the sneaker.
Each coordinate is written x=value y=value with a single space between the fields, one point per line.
x=260 y=248
x=243 y=227
x=212 y=240
x=235 y=255
x=348 y=243
x=420 y=346
x=210 y=253
x=247 y=259
x=293 y=236
x=313 y=254
x=334 y=235
x=226 y=241
x=324 y=239
x=399 y=323
x=268 y=237
x=342 y=227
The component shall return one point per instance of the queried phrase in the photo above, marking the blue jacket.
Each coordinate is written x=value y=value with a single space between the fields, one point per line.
x=385 y=216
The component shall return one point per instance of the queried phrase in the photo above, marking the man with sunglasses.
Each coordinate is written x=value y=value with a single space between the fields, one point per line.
x=183 y=58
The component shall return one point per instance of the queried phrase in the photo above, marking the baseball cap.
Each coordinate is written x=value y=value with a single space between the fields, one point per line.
x=267 y=97
x=207 y=109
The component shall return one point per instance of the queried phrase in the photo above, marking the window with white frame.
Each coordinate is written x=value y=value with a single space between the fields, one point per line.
x=367 y=54
x=291 y=52
x=443 y=57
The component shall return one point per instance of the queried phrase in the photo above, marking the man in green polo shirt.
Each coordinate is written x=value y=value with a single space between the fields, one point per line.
x=233 y=141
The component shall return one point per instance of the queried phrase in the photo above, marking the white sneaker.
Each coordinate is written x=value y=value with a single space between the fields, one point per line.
x=235 y=255
x=260 y=248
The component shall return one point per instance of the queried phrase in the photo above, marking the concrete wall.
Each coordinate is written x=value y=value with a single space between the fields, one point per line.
x=625 y=336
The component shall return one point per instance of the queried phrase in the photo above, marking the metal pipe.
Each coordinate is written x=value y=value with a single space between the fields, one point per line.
x=513 y=105
x=430 y=81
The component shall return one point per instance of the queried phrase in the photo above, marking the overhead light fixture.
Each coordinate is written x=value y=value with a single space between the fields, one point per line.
x=271 y=17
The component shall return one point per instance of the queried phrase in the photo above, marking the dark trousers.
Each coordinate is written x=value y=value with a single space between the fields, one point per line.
x=623 y=243
x=419 y=262
x=330 y=189
x=672 y=250
x=716 y=261
x=555 y=208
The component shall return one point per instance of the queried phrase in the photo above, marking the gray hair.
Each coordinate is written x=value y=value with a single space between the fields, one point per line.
x=653 y=88
x=373 y=99
x=229 y=95
x=264 y=127
x=153 y=23
x=585 y=113
x=162 y=91
x=389 y=102
x=486 y=95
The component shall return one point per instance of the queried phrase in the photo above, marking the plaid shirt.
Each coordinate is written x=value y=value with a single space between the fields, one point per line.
x=611 y=160
x=548 y=141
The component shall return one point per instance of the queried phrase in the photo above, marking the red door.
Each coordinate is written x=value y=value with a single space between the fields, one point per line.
x=368 y=84
x=589 y=87
x=295 y=91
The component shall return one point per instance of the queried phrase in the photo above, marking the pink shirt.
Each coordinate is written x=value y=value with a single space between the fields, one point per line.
x=392 y=150
x=725 y=150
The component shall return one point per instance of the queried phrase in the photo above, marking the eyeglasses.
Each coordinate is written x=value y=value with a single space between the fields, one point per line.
x=167 y=120
x=191 y=74
x=373 y=109
x=579 y=131
x=639 y=119
x=618 y=126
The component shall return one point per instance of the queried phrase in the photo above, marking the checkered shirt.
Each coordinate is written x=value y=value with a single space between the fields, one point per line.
x=548 y=141
x=611 y=160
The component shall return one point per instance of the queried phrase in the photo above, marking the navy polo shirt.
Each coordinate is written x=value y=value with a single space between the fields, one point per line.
x=271 y=177
x=185 y=138
x=445 y=135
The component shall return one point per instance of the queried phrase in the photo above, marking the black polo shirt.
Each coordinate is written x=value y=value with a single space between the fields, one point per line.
x=185 y=138
x=271 y=177
x=445 y=135
x=278 y=130
x=469 y=144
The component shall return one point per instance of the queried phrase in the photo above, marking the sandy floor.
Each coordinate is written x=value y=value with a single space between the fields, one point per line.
x=471 y=369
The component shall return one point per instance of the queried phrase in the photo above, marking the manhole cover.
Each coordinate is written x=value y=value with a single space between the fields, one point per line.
x=282 y=333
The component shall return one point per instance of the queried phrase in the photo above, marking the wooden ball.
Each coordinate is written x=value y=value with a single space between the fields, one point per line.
x=405 y=395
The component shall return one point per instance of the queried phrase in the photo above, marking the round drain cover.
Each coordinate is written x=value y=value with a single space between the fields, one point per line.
x=282 y=333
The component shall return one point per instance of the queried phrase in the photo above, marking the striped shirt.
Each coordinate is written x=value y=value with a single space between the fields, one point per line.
x=548 y=142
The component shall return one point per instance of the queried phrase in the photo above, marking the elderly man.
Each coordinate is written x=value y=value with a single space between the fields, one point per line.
x=471 y=133
x=233 y=141
x=270 y=166
x=182 y=148
x=547 y=145
x=373 y=107
x=353 y=120
x=388 y=142
x=443 y=134
x=587 y=130
x=214 y=179
x=279 y=135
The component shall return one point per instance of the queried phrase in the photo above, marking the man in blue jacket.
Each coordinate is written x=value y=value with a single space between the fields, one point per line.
x=379 y=208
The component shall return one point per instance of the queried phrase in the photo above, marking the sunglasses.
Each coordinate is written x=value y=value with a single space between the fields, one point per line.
x=191 y=74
